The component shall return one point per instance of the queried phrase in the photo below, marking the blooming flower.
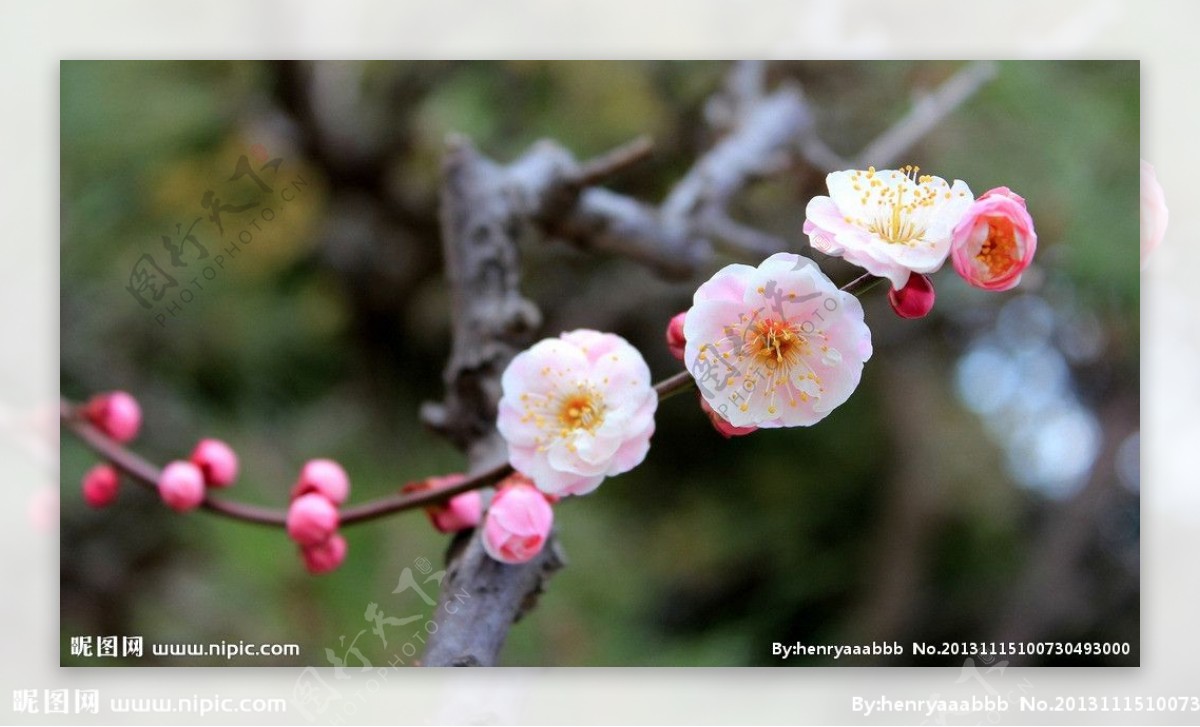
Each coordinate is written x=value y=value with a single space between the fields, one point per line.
x=891 y=222
x=915 y=299
x=1154 y=211
x=724 y=428
x=577 y=409
x=994 y=242
x=775 y=346
x=517 y=523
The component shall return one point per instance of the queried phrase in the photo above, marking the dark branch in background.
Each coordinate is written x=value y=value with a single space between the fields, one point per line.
x=766 y=132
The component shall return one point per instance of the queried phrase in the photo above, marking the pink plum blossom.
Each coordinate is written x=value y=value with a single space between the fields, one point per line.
x=459 y=513
x=915 y=299
x=116 y=413
x=517 y=523
x=325 y=556
x=311 y=519
x=994 y=241
x=724 y=428
x=325 y=477
x=891 y=222
x=775 y=346
x=675 y=340
x=181 y=486
x=100 y=485
x=216 y=461
x=1154 y=211
x=577 y=409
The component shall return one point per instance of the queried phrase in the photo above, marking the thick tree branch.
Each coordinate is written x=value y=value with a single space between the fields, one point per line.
x=485 y=210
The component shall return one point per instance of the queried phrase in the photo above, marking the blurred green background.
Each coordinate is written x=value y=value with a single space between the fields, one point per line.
x=981 y=485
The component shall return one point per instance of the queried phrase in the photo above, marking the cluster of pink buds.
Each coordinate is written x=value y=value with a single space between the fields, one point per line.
x=460 y=512
x=117 y=415
x=183 y=483
x=312 y=518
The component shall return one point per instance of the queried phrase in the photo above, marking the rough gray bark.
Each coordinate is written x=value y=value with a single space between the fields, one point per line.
x=482 y=216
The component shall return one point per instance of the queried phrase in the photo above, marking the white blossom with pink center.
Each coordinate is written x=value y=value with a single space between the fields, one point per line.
x=891 y=222
x=775 y=346
x=577 y=409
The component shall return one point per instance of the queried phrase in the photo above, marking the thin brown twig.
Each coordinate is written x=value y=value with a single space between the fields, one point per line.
x=605 y=166
x=146 y=474
x=861 y=284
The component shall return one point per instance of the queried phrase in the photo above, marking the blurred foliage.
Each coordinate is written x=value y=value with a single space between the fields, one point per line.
x=323 y=336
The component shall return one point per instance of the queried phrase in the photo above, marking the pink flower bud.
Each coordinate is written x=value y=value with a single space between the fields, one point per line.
x=723 y=427
x=100 y=485
x=217 y=462
x=459 y=513
x=462 y=512
x=311 y=519
x=181 y=486
x=675 y=339
x=1154 y=211
x=116 y=413
x=517 y=523
x=915 y=299
x=324 y=556
x=994 y=241
x=325 y=477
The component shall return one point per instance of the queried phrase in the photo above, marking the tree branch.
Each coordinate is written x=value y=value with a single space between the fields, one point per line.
x=146 y=474
x=926 y=114
x=485 y=209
